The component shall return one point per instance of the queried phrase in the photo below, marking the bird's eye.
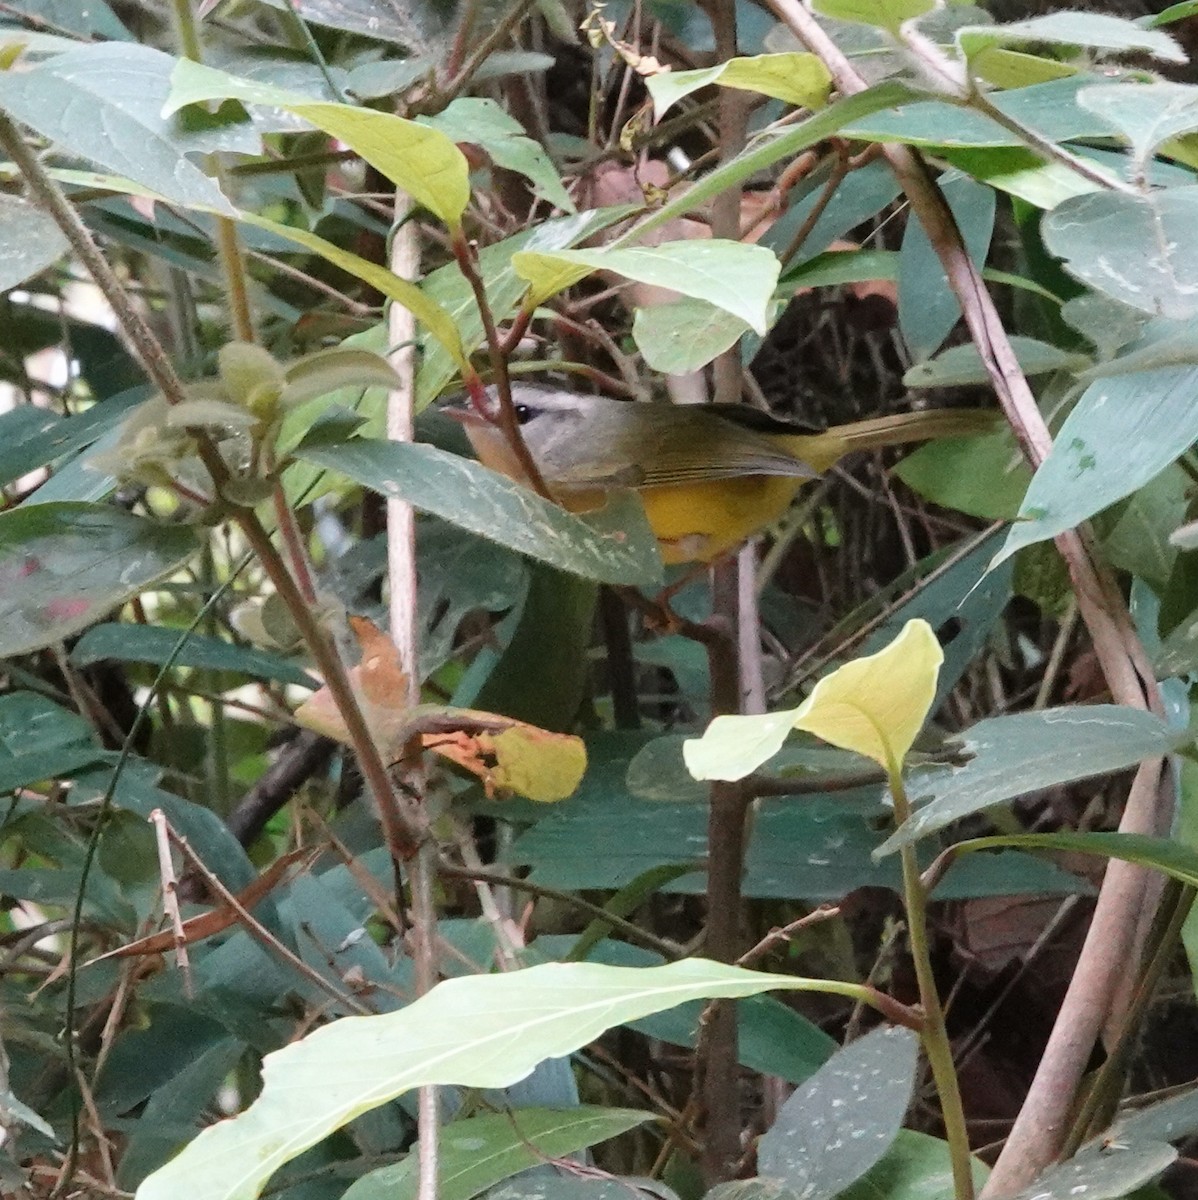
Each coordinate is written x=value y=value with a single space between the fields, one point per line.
x=524 y=413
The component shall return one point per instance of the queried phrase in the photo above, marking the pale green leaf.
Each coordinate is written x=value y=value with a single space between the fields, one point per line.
x=483 y=123
x=1147 y=114
x=477 y=1153
x=30 y=241
x=1139 y=250
x=736 y=277
x=1095 y=30
x=885 y=14
x=422 y=161
x=478 y=1031
x=103 y=103
x=1123 y=432
x=684 y=335
x=434 y=318
x=326 y=371
x=799 y=79
x=960 y=366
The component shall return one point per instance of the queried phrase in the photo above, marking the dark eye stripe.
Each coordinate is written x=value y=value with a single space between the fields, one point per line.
x=524 y=413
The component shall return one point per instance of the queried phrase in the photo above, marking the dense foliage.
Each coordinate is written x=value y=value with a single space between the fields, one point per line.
x=307 y=715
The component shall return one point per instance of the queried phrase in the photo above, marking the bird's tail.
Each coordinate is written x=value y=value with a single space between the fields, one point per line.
x=824 y=450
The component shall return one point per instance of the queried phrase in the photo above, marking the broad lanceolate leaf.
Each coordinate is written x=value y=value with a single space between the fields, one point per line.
x=1139 y=249
x=63 y=566
x=684 y=335
x=961 y=366
x=1123 y=432
x=426 y=311
x=1096 y=30
x=422 y=161
x=481 y=1031
x=103 y=102
x=839 y=1123
x=799 y=79
x=734 y=276
x=30 y=241
x=874 y=705
x=1159 y=854
x=474 y=498
x=1005 y=757
x=477 y=1153
x=917 y=1167
x=156 y=644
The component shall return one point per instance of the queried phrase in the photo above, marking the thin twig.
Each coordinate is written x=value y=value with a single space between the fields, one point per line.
x=261 y=934
x=170 y=899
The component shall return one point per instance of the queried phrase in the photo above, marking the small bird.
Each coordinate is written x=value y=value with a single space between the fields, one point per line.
x=710 y=476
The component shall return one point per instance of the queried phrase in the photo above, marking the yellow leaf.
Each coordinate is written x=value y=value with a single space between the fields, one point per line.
x=877 y=705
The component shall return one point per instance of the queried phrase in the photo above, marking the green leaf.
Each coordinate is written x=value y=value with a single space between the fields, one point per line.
x=799 y=79
x=917 y=1167
x=402 y=24
x=483 y=123
x=1123 y=432
x=874 y=705
x=38 y=740
x=1020 y=172
x=1102 y=1172
x=839 y=1123
x=886 y=14
x=475 y=1031
x=928 y=308
x=683 y=335
x=1175 y=12
x=428 y=312
x=104 y=103
x=1005 y=757
x=30 y=241
x=734 y=276
x=1166 y=1121
x=961 y=366
x=985 y=477
x=422 y=161
x=1159 y=854
x=1147 y=114
x=1136 y=249
x=63 y=566
x=474 y=498
x=478 y=1152
x=316 y=375
x=1095 y=30
x=156 y=643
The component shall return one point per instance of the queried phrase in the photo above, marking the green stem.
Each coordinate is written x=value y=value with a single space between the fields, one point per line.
x=936 y=1043
x=228 y=241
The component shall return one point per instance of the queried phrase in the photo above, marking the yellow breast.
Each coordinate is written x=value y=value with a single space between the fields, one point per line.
x=699 y=522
